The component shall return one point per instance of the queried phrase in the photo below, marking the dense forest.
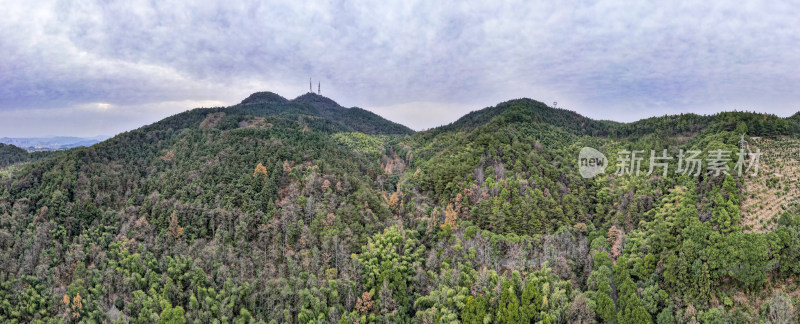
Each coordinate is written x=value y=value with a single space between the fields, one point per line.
x=303 y=211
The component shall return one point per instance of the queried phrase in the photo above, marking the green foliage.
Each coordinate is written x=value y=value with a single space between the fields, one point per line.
x=665 y=317
x=388 y=262
x=508 y=309
x=370 y=145
x=170 y=315
x=474 y=311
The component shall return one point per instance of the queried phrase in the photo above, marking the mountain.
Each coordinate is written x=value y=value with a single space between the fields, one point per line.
x=322 y=104
x=538 y=111
x=535 y=111
x=313 y=105
x=355 y=118
x=299 y=211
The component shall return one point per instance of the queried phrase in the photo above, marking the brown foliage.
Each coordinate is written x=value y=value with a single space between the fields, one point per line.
x=212 y=120
x=75 y=306
x=174 y=230
x=461 y=210
x=42 y=215
x=615 y=240
x=168 y=156
x=326 y=185
x=450 y=217
x=287 y=166
x=329 y=220
x=393 y=201
x=364 y=303
x=260 y=169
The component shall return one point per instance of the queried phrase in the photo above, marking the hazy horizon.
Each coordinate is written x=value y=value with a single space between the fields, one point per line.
x=421 y=108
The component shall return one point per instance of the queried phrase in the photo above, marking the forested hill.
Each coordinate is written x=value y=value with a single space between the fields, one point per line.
x=355 y=118
x=303 y=211
x=264 y=97
x=540 y=112
x=10 y=154
x=669 y=125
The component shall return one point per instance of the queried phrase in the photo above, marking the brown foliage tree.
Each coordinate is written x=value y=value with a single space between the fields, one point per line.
x=260 y=169
x=615 y=240
x=174 y=230
x=364 y=303
x=450 y=216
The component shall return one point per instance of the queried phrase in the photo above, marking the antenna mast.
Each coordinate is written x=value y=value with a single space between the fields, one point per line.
x=319 y=91
x=309 y=86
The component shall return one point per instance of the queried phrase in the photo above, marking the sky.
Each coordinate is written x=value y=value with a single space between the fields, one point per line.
x=86 y=68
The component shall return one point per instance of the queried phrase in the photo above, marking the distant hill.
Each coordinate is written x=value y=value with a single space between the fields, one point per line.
x=528 y=110
x=51 y=143
x=10 y=154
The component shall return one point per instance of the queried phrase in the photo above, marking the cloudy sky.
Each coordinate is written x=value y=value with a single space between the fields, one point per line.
x=101 y=67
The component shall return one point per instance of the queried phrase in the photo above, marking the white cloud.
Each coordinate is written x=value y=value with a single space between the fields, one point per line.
x=607 y=59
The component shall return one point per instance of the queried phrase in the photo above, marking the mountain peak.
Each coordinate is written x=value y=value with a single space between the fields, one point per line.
x=352 y=119
x=264 y=97
x=319 y=102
